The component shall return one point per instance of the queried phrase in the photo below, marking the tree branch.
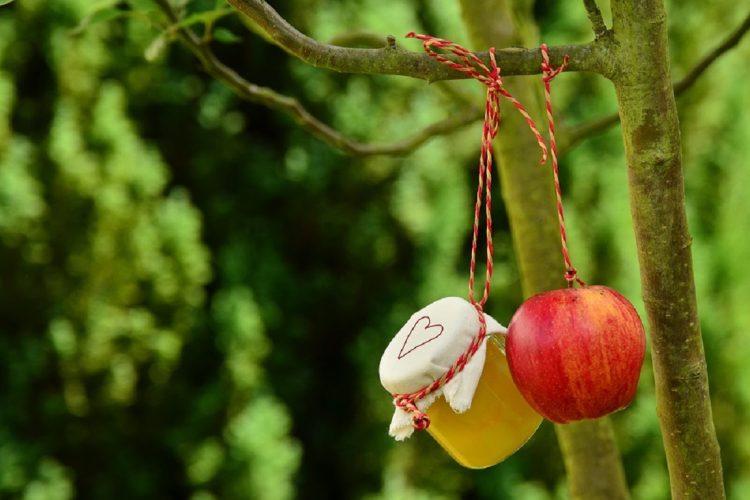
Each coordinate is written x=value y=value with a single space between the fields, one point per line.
x=570 y=139
x=595 y=16
x=576 y=135
x=292 y=107
x=443 y=127
x=396 y=61
x=731 y=42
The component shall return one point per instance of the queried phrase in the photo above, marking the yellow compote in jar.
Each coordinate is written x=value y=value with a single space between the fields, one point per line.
x=498 y=423
x=478 y=416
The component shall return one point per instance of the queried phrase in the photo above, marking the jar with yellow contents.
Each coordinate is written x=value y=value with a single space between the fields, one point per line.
x=478 y=416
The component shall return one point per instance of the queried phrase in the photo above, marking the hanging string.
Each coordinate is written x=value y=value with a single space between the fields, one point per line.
x=472 y=66
x=490 y=76
x=548 y=73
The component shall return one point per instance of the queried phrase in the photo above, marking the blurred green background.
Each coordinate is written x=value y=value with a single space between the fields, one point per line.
x=195 y=293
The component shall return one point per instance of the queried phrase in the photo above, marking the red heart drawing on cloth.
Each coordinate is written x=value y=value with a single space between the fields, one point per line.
x=419 y=331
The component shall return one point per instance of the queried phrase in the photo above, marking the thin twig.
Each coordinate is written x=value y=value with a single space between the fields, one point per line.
x=442 y=127
x=595 y=16
x=396 y=61
x=581 y=132
x=703 y=65
x=455 y=95
x=570 y=139
x=292 y=107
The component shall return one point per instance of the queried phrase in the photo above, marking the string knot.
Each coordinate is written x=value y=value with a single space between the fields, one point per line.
x=408 y=402
x=419 y=420
x=494 y=80
x=471 y=65
x=548 y=72
x=570 y=275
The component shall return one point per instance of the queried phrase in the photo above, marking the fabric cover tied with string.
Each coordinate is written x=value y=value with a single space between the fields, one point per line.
x=425 y=350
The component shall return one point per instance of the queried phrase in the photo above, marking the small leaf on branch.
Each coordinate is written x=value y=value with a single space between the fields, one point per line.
x=155 y=48
x=102 y=13
x=205 y=17
x=223 y=35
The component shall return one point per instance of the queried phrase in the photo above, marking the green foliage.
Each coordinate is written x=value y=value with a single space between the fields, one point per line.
x=104 y=295
x=196 y=293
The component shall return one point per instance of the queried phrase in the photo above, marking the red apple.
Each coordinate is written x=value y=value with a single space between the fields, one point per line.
x=576 y=353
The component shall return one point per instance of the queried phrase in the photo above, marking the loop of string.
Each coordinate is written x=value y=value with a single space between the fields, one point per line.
x=472 y=66
x=490 y=76
x=548 y=73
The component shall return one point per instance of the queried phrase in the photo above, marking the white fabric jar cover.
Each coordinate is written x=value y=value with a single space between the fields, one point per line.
x=424 y=350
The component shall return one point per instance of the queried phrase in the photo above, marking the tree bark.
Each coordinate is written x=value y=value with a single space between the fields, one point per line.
x=391 y=60
x=651 y=134
x=589 y=449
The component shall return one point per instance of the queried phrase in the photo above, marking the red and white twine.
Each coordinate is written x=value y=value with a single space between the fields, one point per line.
x=474 y=67
x=548 y=73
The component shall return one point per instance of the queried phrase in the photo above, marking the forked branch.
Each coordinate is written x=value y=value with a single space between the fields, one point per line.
x=581 y=132
x=292 y=107
x=393 y=60
x=595 y=16
x=390 y=59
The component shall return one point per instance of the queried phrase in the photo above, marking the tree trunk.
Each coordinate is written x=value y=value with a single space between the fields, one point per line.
x=651 y=134
x=592 y=462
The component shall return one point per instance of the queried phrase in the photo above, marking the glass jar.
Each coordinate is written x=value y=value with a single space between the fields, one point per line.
x=498 y=423
x=478 y=416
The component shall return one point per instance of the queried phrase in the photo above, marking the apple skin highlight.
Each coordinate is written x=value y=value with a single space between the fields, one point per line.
x=576 y=353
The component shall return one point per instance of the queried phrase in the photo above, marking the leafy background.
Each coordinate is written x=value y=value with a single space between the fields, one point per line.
x=195 y=293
